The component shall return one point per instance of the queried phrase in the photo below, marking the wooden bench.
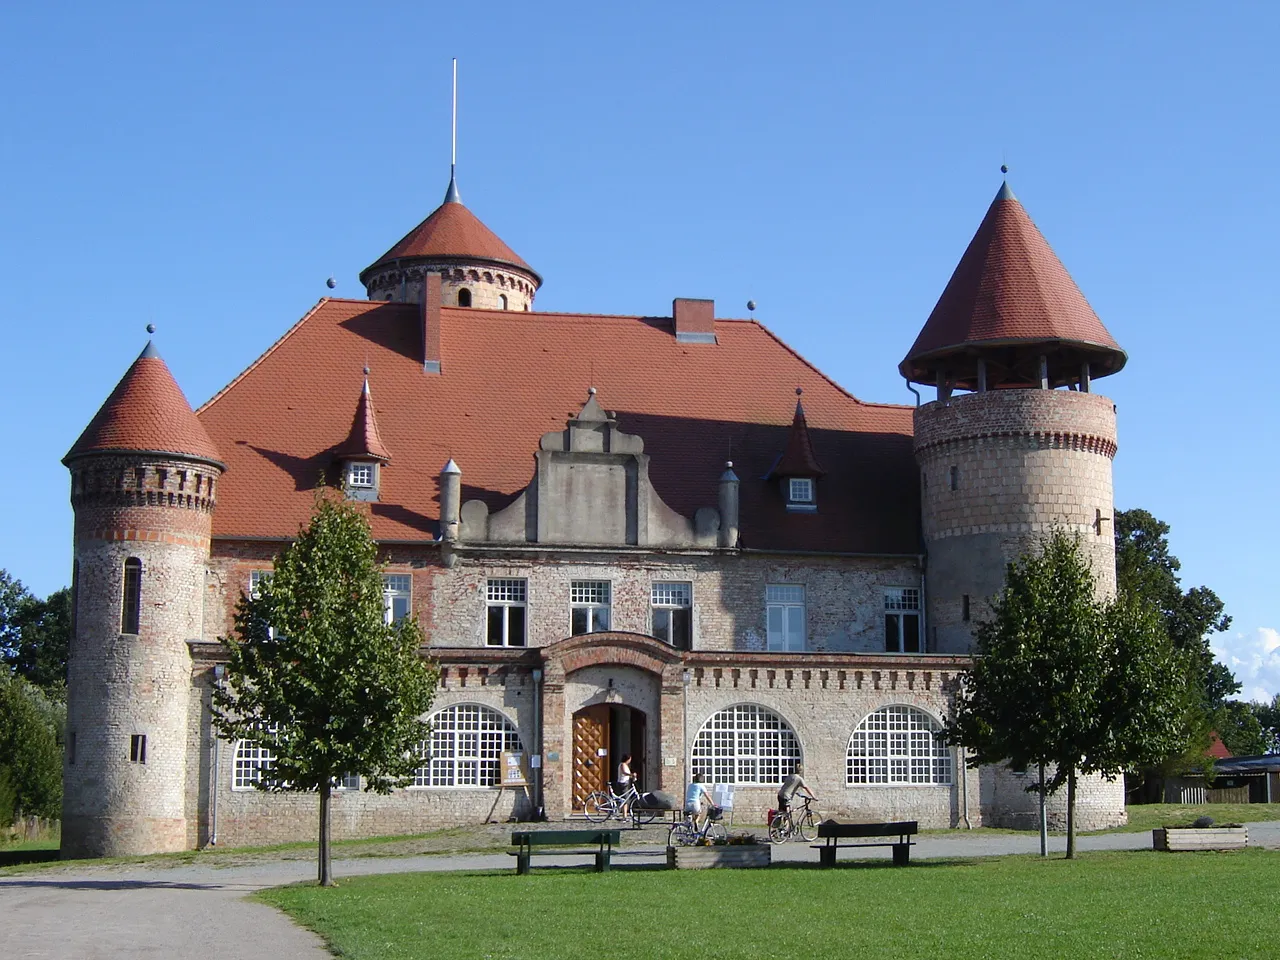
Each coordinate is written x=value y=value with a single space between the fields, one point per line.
x=526 y=840
x=833 y=832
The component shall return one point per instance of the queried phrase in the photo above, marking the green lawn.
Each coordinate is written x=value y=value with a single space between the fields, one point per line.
x=1129 y=905
x=1146 y=816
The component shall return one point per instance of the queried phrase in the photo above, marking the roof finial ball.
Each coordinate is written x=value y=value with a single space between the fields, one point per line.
x=366 y=369
x=151 y=328
x=591 y=391
x=799 y=391
x=1004 y=168
x=331 y=283
x=751 y=305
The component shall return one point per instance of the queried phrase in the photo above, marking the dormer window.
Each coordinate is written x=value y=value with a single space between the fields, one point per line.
x=360 y=475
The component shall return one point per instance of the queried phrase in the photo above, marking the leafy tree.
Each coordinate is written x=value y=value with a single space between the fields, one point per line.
x=1064 y=680
x=1268 y=715
x=30 y=750
x=317 y=675
x=1148 y=572
x=1237 y=724
x=35 y=634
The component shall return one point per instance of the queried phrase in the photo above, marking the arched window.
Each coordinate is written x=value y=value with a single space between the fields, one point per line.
x=252 y=759
x=898 y=744
x=745 y=744
x=467 y=743
x=502 y=300
x=464 y=297
x=131 y=606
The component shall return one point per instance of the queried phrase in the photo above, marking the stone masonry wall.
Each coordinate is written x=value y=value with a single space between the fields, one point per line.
x=487 y=284
x=125 y=685
x=1023 y=462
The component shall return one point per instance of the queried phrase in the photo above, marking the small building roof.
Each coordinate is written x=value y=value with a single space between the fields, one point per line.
x=146 y=413
x=1010 y=290
x=363 y=442
x=798 y=459
x=452 y=233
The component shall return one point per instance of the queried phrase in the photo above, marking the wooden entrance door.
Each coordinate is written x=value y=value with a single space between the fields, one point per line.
x=590 y=736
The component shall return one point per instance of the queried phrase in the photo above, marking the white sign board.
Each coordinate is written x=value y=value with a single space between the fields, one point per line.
x=722 y=794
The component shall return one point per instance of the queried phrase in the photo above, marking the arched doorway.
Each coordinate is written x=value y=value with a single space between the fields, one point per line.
x=602 y=734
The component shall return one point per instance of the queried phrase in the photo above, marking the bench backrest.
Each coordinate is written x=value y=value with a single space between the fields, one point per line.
x=838 y=831
x=530 y=838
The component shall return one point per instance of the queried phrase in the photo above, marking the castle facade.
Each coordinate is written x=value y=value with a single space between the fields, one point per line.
x=671 y=537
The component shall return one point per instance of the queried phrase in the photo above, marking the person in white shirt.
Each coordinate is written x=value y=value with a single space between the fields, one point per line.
x=697 y=801
x=791 y=786
x=626 y=777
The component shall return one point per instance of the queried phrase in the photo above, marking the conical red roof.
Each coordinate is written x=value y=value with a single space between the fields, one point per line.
x=452 y=232
x=146 y=413
x=1010 y=288
x=364 y=441
x=798 y=460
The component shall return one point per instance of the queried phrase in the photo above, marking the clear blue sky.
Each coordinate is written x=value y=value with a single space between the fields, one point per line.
x=206 y=168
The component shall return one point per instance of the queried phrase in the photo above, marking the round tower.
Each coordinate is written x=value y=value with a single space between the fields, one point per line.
x=1015 y=444
x=144 y=478
x=476 y=268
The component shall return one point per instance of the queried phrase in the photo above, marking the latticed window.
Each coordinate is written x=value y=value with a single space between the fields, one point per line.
x=507 y=604
x=396 y=596
x=745 y=744
x=255 y=582
x=898 y=745
x=360 y=475
x=467 y=743
x=348 y=781
x=673 y=613
x=902 y=620
x=253 y=758
x=589 y=602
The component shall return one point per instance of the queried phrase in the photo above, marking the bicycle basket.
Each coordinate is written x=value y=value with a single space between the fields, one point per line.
x=715 y=813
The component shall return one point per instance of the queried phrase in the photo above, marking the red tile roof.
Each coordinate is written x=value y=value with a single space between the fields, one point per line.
x=1010 y=287
x=798 y=460
x=363 y=441
x=1217 y=749
x=146 y=412
x=452 y=232
x=507 y=379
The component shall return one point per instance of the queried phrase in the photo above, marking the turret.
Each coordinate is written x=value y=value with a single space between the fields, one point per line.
x=144 y=478
x=1016 y=442
x=476 y=268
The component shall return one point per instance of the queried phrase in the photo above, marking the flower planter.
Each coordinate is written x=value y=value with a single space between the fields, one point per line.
x=1199 y=838
x=704 y=858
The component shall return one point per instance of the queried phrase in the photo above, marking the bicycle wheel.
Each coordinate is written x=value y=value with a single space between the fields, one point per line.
x=599 y=807
x=808 y=826
x=643 y=814
x=680 y=835
x=779 y=828
x=716 y=831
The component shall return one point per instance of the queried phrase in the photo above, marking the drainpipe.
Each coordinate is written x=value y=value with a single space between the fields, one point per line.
x=684 y=735
x=213 y=765
x=538 y=813
x=964 y=789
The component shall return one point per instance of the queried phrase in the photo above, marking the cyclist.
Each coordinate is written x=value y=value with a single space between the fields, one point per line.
x=791 y=786
x=626 y=777
x=697 y=801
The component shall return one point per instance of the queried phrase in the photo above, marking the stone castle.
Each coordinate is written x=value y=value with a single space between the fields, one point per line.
x=710 y=556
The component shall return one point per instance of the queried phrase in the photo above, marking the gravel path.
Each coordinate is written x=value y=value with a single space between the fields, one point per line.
x=199 y=910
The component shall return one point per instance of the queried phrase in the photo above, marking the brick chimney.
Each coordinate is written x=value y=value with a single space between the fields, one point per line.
x=695 y=320
x=430 y=308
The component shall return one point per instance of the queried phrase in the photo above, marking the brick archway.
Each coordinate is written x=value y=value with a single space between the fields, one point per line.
x=581 y=659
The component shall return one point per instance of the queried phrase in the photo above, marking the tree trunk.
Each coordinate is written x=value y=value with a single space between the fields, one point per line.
x=326 y=866
x=1071 y=814
x=1044 y=817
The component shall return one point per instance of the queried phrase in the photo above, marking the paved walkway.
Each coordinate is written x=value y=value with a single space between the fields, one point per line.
x=199 y=911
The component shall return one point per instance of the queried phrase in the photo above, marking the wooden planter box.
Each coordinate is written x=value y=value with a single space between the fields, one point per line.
x=1199 y=838
x=704 y=858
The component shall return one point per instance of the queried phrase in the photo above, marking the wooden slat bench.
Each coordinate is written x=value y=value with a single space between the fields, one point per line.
x=526 y=840
x=833 y=832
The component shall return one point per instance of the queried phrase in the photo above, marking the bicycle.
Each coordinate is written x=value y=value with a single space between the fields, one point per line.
x=605 y=804
x=687 y=834
x=798 y=821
